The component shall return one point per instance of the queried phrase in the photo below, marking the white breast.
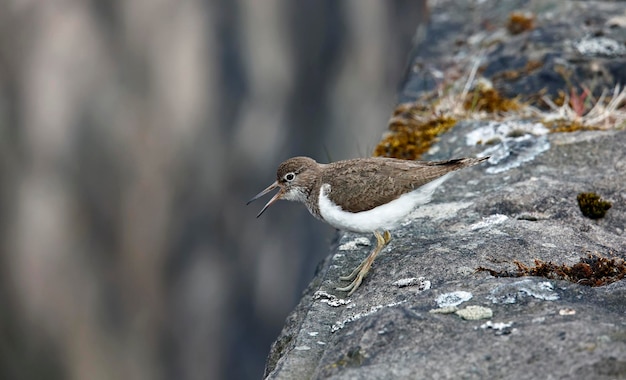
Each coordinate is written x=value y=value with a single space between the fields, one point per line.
x=384 y=217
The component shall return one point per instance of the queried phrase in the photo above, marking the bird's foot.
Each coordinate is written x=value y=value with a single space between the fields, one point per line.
x=352 y=275
x=359 y=272
x=354 y=284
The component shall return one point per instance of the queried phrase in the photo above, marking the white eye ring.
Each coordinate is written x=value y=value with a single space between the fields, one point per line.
x=290 y=177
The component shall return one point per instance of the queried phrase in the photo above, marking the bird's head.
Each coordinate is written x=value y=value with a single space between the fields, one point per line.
x=294 y=179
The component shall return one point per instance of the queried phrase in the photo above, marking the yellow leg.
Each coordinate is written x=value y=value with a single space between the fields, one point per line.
x=387 y=236
x=385 y=240
x=359 y=272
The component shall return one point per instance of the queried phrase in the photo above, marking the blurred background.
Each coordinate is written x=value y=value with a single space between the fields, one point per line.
x=132 y=133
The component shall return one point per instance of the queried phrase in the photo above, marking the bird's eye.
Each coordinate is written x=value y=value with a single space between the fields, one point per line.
x=290 y=177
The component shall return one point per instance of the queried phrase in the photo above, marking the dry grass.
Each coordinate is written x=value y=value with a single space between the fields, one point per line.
x=603 y=113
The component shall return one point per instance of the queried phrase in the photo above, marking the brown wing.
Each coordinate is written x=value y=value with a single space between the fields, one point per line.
x=374 y=181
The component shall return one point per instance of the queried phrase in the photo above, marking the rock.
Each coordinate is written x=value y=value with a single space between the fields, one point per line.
x=520 y=206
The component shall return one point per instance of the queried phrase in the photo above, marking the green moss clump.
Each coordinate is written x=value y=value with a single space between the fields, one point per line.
x=592 y=206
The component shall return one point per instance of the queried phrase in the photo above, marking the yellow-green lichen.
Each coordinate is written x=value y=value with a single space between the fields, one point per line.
x=489 y=100
x=566 y=126
x=474 y=313
x=412 y=133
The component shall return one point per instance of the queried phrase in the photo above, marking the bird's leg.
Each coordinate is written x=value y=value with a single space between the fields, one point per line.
x=359 y=272
x=387 y=236
x=351 y=276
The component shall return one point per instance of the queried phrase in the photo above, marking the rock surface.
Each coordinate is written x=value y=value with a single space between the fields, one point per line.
x=424 y=312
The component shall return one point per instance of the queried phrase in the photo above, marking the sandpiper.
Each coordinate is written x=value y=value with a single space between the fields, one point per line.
x=365 y=195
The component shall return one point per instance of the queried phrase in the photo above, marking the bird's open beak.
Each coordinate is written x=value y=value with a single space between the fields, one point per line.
x=262 y=193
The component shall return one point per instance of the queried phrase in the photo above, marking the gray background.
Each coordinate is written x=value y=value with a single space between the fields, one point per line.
x=131 y=135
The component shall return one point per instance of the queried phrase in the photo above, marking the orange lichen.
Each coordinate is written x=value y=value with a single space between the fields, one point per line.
x=520 y=22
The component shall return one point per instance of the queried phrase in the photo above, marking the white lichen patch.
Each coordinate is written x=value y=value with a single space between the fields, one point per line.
x=302 y=348
x=513 y=143
x=496 y=325
x=355 y=317
x=567 y=311
x=500 y=131
x=421 y=283
x=330 y=299
x=489 y=221
x=512 y=153
x=475 y=313
x=600 y=46
x=355 y=244
x=510 y=293
x=453 y=298
x=444 y=310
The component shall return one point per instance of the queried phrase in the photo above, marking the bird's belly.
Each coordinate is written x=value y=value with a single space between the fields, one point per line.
x=384 y=217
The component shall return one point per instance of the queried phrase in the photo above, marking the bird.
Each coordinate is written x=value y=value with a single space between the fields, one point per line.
x=362 y=195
